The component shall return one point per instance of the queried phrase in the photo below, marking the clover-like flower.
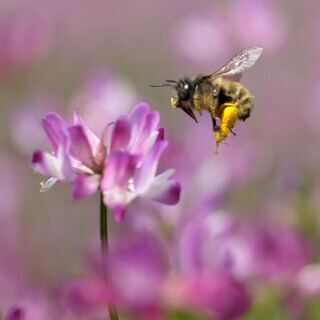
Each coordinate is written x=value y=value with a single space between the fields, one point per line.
x=122 y=163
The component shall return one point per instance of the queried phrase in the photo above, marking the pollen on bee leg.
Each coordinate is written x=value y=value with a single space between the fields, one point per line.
x=174 y=101
x=46 y=185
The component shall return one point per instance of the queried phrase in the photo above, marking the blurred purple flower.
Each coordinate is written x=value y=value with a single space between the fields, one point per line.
x=138 y=272
x=122 y=164
x=138 y=266
x=101 y=89
x=15 y=313
x=24 y=38
x=83 y=296
x=215 y=240
x=265 y=248
x=218 y=292
x=278 y=252
x=133 y=275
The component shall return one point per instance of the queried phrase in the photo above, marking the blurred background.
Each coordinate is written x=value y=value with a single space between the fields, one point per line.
x=100 y=58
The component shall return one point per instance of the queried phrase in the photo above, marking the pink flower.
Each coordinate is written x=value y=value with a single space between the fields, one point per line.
x=218 y=292
x=15 y=313
x=264 y=249
x=138 y=272
x=25 y=37
x=121 y=163
x=279 y=252
x=100 y=89
x=307 y=281
x=132 y=274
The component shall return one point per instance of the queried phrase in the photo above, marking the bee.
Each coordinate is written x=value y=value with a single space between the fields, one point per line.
x=219 y=92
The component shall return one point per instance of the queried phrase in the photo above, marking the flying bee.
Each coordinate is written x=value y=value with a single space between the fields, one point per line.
x=226 y=99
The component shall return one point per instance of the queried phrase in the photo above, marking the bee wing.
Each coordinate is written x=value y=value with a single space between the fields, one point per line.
x=235 y=77
x=242 y=61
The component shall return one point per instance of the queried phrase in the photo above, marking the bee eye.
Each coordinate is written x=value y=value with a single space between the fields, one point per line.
x=184 y=92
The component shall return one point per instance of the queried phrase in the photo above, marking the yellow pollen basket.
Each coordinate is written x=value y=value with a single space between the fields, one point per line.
x=228 y=119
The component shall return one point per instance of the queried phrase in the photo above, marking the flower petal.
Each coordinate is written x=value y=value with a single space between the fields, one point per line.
x=49 y=165
x=116 y=201
x=148 y=126
x=116 y=182
x=84 y=186
x=119 y=169
x=80 y=147
x=121 y=134
x=137 y=118
x=56 y=128
x=163 y=190
x=91 y=137
x=148 y=169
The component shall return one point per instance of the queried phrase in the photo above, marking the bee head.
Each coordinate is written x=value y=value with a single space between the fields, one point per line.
x=184 y=90
x=182 y=95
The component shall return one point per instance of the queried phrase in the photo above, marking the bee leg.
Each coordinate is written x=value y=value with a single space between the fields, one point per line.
x=216 y=150
x=233 y=132
x=216 y=128
x=228 y=119
x=217 y=145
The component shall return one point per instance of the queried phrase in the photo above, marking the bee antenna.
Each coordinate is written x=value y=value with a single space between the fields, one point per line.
x=162 y=85
x=173 y=81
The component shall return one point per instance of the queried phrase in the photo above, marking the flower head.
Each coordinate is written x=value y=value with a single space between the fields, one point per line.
x=122 y=163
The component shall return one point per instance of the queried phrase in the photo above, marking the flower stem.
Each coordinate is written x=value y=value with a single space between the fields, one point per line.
x=113 y=314
x=103 y=225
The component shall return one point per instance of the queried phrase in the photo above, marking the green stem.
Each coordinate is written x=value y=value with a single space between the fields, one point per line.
x=113 y=315
x=103 y=225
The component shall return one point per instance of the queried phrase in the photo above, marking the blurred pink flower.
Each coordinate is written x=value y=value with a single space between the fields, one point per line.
x=133 y=275
x=213 y=241
x=307 y=281
x=123 y=164
x=278 y=252
x=137 y=266
x=217 y=292
x=258 y=23
x=138 y=273
x=265 y=249
x=101 y=89
x=216 y=32
x=24 y=38
x=84 y=296
x=202 y=38
x=15 y=313
x=26 y=131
